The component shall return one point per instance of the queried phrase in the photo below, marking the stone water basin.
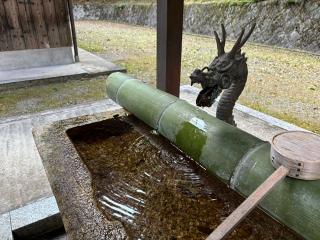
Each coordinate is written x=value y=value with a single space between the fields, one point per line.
x=114 y=178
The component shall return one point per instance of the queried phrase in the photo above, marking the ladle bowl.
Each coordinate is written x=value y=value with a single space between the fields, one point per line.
x=294 y=154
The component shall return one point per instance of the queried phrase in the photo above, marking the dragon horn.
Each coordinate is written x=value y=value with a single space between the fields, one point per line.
x=219 y=45
x=236 y=46
x=245 y=39
x=224 y=37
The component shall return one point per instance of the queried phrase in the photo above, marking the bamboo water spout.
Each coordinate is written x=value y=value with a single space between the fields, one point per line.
x=239 y=159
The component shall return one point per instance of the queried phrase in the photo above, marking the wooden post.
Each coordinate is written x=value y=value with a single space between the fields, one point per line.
x=169 y=45
x=73 y=31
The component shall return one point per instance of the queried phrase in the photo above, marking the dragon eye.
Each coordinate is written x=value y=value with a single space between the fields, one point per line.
x=225 y=66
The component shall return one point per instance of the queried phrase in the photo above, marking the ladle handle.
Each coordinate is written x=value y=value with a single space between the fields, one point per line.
x=248 y=205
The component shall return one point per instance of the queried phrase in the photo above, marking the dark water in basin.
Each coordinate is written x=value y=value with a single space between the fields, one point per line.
x=156 y=191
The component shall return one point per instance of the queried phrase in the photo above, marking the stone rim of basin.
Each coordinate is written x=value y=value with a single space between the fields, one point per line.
x=55 y=148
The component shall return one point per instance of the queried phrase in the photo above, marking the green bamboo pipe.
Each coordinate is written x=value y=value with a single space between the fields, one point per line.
x=239 y=159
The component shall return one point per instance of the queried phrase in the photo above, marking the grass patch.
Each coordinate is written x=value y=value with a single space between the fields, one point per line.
x=92 y=47
x=55 y=95
x=313 y=126
x=282 y=83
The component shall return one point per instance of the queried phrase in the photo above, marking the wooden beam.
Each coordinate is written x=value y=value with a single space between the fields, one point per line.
x=169 y=45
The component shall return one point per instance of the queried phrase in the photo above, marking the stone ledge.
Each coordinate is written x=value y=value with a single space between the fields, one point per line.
x=89 y=66
x=31 y=220
x=5 y=227
x=36 y=218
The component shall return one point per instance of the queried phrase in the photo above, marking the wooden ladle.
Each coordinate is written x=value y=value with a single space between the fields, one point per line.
x=294 y=154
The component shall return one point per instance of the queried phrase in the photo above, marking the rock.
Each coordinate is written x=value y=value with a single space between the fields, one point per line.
x=294 y=36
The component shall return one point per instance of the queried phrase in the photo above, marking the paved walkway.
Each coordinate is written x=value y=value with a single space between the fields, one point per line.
x=22 y=177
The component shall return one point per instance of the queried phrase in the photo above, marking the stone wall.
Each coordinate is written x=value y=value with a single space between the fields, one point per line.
x=279 y=22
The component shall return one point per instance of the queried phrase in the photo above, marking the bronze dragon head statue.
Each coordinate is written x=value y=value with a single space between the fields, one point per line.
x=228 y=72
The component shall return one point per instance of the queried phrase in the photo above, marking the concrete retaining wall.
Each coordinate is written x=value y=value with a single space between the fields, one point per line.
x=279 y=22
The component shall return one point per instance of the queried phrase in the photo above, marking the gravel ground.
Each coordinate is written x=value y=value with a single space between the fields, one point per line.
x=282 y=83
